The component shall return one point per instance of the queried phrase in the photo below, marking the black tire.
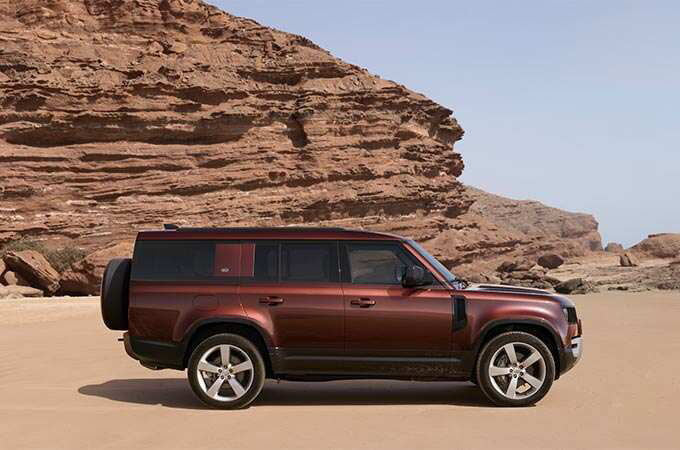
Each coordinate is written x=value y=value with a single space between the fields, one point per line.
x=544 y=370
x=115 y=295
x=255 y=384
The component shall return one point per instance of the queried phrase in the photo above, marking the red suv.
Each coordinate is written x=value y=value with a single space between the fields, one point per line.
x=238 y=305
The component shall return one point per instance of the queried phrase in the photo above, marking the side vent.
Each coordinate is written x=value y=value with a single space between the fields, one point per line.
x=459 y=313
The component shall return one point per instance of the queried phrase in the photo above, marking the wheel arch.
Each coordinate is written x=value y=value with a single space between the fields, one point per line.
x=537 y=327
x=235 y=325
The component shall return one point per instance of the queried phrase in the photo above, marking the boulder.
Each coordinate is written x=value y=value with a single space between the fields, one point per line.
x=575 y=286
x=483 y=278
x=517 y=265
x=3 y=268
x=614 y=247
x=85 y=276
x=35 y=269
x=13 y=279
x=628 y=260
x=550 y=261
x=7 y=292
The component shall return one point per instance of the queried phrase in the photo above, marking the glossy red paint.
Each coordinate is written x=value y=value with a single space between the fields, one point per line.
x=338 y=328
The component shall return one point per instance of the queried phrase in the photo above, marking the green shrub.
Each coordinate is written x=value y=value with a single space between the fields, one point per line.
x=61 y=259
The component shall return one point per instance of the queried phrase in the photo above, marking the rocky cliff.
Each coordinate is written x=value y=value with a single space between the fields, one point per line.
x=122 y=115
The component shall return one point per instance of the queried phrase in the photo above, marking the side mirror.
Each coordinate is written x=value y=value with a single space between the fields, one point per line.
x=414 y=276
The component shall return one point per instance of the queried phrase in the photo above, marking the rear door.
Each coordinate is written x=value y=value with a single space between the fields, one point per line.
x=389 y=329
x=176 y=283
x=294 y=289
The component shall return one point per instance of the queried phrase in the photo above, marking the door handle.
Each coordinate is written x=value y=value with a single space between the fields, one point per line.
x=362 y=302
x=271 y=301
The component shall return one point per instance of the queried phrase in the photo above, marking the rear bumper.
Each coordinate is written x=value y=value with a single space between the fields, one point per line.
x=157 y=354
x=571 y=355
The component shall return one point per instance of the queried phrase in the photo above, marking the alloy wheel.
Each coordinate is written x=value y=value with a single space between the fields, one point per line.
x=517 y=370
x=225 y=372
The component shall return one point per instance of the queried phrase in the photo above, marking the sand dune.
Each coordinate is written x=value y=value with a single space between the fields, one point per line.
x=65 y=382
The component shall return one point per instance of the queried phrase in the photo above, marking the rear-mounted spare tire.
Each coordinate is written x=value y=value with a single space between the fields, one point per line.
x=115 y=294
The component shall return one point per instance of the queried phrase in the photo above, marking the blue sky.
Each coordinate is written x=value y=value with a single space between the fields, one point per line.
x=573 y=103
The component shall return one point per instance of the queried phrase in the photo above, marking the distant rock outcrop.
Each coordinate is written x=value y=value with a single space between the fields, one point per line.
x=614 y=247
x=662 y=245
x=628 y=260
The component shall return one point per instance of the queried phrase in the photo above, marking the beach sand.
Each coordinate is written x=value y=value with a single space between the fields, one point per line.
x=66 y=382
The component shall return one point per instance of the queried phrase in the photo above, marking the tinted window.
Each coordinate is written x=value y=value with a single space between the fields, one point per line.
x=266 y=266
x=377 y=263
x=309 y=262
x=173 y=260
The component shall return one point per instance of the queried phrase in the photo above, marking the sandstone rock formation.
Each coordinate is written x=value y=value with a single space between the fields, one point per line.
x=85 y=277
x=575 y=286
x=496 y=229
x=124 y=115
x=3 y=269
x=31 y=266
x=628 y=260
x=10 y=278
x=523 y=272
x=7 y=292
x=119 y=116
x=614 y=247
x=550 y=261
x=663 y=245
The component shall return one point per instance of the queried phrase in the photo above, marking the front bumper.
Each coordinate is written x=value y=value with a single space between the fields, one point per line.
x=570 y=356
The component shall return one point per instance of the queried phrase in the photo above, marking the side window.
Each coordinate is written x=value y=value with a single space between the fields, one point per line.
x=173 y=260
x=376 y=263
x=260 y=262
x=309 y=262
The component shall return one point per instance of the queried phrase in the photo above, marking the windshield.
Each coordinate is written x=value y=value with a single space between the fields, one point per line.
x=432 y=260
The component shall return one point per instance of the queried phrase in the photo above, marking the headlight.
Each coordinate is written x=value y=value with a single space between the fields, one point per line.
x=570 y=314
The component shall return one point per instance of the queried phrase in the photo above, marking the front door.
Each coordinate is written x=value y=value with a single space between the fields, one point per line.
x=294 y=289
x=389 y=329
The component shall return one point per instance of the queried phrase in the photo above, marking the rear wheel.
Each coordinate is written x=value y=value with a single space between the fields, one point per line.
x=226 y=371
x=515 y=369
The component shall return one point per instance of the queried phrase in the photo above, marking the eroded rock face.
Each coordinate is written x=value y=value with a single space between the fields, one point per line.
x=628 y=260
x=497 y=229
x=120 y=116
x=614 y=247
x=663 y=245
x=85 y=276
x=31 y=266
x=124 y=115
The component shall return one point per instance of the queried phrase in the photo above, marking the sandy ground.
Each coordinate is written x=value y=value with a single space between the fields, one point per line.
x=65 y=382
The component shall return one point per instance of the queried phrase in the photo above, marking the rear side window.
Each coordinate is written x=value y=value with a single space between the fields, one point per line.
x=266 y=266
x=369 y=263
x=273 y=262
x=309 y=262
x=173 y=260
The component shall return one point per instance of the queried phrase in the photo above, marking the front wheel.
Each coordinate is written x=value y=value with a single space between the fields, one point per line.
x=515 y=369
x=226 y=371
